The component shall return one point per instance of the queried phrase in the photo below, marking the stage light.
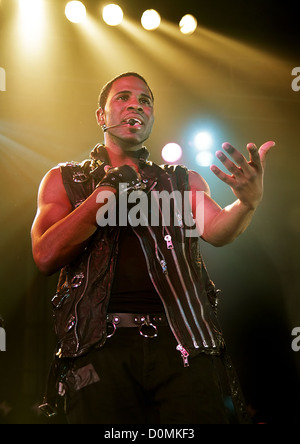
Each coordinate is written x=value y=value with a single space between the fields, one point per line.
x=30 y=8
x=171 y=152
x=112 y=15
x=203 y=141
x=32 y=23
x=75 y=12
x=31 y=11
x=205 y=158
x=150 y=20
x=188 y=24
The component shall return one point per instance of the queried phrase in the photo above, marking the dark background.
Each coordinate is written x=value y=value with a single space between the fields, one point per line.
x=233 y=78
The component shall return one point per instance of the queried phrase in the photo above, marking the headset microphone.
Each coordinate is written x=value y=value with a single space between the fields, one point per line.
x=130 y=122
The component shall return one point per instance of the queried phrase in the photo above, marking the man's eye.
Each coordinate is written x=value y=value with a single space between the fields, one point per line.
x=145 y=102
x=123 y=98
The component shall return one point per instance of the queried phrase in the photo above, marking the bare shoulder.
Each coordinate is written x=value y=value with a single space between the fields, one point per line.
x=53 y=203
x=198 y=183
x=52 y=178
x=52 y=188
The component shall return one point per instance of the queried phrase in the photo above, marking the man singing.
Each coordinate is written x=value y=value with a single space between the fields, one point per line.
x=135 y=310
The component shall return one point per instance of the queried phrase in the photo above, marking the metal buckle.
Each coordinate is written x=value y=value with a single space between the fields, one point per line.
x=114 y=322
x=148 y=325
x=114 y=329
x=77 y=280
x=79 y=177
x=47 y=410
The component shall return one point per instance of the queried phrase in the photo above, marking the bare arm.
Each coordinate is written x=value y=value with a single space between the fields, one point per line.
x=58 y=233
x=222 y=226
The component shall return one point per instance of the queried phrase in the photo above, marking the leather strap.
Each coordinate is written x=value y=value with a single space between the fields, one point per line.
x=126 y=320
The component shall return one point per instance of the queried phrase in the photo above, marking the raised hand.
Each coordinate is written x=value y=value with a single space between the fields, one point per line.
x=246 y=179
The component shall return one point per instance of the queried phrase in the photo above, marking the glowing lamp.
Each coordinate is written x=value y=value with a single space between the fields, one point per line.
x=75 y=12
x=171 y=152
x=112 y=15
x=203 y=141
x=188 y=24
x=150 y=20
x=30 y=8
x=32 y=23
x=204 y=158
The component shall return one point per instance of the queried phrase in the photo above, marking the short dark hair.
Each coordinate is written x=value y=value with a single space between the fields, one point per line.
x=107 y=88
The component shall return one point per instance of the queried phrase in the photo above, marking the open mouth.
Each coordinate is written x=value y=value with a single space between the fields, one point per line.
x=133 y=121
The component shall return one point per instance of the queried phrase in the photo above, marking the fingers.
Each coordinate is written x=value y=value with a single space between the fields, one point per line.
x=254 y=157
x=231 y=167
x=229 y=180
x=241 y=166
x=264 y=150
x=235 y=154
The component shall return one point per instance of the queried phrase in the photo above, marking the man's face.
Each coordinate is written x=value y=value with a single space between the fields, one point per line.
x=129 y=98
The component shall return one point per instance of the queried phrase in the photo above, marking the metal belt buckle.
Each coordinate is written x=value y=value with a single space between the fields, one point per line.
x=113 y=323
x=147 y=325
x=48 y=410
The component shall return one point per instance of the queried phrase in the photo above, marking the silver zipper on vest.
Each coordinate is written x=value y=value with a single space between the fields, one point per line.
x=79 y=300
x=170 y=246
x=168 y=239
x=184 y=354
x=198 y=299
x=179 y=347
x=195 y=290
x=158 y=253
x=178 y=268
x=163 y=264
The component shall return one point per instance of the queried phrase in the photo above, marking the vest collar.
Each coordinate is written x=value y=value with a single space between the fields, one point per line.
x=100 y=153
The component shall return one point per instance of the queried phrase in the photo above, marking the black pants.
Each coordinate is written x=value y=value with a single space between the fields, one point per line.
x=137 y=380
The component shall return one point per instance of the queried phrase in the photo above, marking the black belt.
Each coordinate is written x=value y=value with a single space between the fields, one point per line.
x=146 y=323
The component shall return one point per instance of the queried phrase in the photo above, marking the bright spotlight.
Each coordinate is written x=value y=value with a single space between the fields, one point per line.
x=75 y=12
x=203 y=141
x=150 y=20
x=112 y=15
x=204 y=158
x=32 y=22
x=28 y=8
x=188 y=24
x=171 y=152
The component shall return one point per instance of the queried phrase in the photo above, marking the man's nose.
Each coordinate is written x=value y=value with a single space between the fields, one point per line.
x=134 y=104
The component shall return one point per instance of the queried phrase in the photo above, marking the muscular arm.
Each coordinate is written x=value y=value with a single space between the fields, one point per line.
x=222 y=226
x=58 y=233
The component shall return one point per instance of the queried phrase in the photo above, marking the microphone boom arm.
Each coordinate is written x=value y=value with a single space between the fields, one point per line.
x=131 y=122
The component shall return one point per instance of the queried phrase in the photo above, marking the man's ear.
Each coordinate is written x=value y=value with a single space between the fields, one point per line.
x=100 y=116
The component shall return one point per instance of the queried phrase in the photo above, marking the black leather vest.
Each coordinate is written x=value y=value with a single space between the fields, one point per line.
x=178 y=273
